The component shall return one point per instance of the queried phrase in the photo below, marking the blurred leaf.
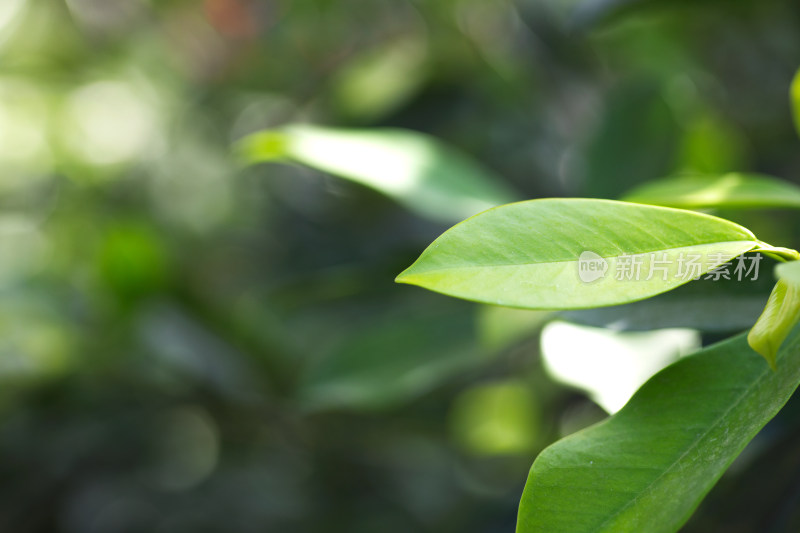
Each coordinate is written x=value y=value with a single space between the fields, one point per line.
x=392 y=361
x=722 y=313
x=568 y=253
x=379 y=79
x=795 y=100
x=732 y=190
x=418 y=171
x=132 y=260
x=711 y=145
x=610 y=365
x=647 y=467
x=501 y=327
x=721 y=306
x=496 y=418
x=179 y=345
x=780 y=314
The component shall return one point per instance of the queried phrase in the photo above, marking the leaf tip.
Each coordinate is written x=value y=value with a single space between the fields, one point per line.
x=412 y=276
x=403 y=277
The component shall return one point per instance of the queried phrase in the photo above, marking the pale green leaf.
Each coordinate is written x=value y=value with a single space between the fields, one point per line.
x=574 y=253
x=732 y=190
x=417 y=170
x=789 y=271
x=780 y=314
x=647 y=467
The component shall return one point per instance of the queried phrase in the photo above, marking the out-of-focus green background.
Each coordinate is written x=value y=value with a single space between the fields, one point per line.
x=190 y=344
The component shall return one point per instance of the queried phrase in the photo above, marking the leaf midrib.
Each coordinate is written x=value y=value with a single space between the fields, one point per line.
x=470 y=266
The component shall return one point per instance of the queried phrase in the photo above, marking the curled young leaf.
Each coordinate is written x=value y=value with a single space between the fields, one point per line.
x=780 y=314
x=789 y=272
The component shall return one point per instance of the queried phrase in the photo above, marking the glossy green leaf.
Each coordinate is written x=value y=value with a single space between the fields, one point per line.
x=780 y=314
x=647 y=467
x=732 y=190
x=574 y=253
x=795 y=100
x=417 y=170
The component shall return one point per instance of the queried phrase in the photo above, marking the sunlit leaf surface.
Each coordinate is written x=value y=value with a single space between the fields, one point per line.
x=417 y=170
x=574 y=253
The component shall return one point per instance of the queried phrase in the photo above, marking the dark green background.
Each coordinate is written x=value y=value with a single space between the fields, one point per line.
x=187 y=345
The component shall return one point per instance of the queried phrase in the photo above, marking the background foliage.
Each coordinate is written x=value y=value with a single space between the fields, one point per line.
x=190 y=345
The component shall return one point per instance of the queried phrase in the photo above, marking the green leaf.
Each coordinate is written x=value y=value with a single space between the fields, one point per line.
x=795 y=100
x=417 y=170
x=732 y=190
x=569 y=253
x=647 y=467
x=780 y=314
